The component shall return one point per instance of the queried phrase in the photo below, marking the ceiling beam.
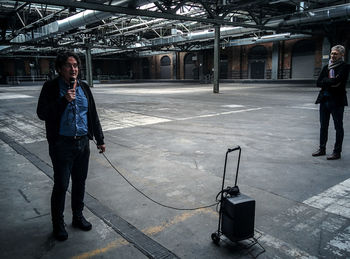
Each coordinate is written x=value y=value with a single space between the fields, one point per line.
x=145 y=13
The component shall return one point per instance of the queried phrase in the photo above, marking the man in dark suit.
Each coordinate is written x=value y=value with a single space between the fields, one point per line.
x=67 y=106
x=332 y=99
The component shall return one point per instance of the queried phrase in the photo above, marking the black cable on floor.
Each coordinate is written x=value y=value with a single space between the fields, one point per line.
x=149 y=198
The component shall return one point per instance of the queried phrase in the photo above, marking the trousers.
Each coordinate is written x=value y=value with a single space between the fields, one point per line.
x=70 y=159
x=327 y=109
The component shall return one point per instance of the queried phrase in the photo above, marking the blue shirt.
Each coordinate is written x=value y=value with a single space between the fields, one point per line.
x=74 y=118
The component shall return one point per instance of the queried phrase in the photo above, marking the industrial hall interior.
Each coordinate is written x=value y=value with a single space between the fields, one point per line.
x=200 y=120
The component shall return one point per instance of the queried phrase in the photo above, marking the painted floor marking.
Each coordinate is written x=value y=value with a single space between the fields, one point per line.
x=340 y=245
x=305 y=106
x=112 y=245
x=232 y=106
x=21 y=128
x=177 y=219
x=6 y=96
x=220 y=113
x=148 y=231
x=284 y=247
x=111 y=119
x=334 y=200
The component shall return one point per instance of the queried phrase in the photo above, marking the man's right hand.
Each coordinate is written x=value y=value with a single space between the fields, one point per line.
x=70 y=95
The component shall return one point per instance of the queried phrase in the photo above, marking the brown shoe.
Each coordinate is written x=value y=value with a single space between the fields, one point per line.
x=320 y=152
x=334 y=156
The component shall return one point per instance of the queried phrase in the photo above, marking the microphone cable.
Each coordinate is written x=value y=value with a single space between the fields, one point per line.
x=149 y=198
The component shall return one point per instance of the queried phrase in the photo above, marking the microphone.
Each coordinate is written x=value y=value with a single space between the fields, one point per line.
x=71 y=86
x=71 y=82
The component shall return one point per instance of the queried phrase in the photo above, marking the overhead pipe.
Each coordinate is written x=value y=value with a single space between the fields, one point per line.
x=184 y=37
x=312 y=16
x=264 y=39
x=87 y=17
x=75 y=21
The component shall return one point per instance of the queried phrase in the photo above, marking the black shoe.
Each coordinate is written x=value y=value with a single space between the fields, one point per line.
x=334 y=156
x=59 y=231
x=81 y=223
x=320 y=152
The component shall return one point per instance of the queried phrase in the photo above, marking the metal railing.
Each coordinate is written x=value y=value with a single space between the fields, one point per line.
x=17 y=80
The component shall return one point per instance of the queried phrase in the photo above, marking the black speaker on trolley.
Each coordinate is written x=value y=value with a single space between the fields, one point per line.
x=237 y=211
x=238 y=216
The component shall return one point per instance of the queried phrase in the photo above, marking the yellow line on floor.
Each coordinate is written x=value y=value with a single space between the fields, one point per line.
x=112 y=245
x=148 y=231
x=177 y=219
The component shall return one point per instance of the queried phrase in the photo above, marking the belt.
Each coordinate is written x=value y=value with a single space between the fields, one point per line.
x=72 y=137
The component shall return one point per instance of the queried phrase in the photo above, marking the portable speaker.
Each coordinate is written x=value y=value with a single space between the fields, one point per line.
x=238 y=215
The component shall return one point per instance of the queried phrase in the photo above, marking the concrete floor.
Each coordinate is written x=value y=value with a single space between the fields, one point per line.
x=169 y=140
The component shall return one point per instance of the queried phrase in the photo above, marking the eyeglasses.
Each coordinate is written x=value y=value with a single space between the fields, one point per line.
x=68 y=65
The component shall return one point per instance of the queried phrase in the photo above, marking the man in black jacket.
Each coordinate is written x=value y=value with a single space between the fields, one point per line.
x=67 y=106
x=332 y=99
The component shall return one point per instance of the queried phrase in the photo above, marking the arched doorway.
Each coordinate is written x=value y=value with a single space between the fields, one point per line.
x=190 y=67
x=256 y=62
x=145 y=68
x=303 y=60
x=165 y=68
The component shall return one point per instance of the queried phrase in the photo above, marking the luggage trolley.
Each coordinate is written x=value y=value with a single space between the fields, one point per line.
x=237 y=211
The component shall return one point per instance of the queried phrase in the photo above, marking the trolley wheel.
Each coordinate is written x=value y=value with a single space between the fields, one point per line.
x=216 y=238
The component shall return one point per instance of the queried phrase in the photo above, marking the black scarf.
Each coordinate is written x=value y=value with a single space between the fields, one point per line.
x=332 y=65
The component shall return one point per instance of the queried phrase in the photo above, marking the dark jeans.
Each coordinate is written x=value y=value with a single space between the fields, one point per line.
x=70 y=158
x=326 y=109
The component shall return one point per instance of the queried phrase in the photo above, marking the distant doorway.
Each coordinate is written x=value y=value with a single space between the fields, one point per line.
x=257 y=69
x=223 y=66
x=165 y=68
x=257 y=62
x=303 y=60
x=145 y=69
x=190 y=66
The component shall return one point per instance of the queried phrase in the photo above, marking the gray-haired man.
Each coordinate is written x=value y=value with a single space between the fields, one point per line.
x=332 y=99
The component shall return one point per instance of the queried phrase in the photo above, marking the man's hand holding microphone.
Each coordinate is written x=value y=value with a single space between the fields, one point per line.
x=70 y=95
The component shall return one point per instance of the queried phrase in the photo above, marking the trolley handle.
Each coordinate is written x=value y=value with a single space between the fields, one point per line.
x=239 y=159
x=233 y=149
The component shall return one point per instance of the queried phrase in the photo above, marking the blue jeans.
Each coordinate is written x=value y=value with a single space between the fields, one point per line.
x=326 y=109
x=70 y=158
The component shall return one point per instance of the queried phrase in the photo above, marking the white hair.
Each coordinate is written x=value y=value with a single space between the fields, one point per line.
x=339 y=48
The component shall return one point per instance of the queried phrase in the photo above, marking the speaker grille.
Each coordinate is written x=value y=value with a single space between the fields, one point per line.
x=238 y=215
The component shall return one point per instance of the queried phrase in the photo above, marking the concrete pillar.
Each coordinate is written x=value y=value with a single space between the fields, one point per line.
x=200 y=66
x=275 y=58
x=174 y=65
x=326 y=49
x=216 y=59
x=88 y=67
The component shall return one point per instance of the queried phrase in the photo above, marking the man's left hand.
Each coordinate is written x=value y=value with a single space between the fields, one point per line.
x=102 y=148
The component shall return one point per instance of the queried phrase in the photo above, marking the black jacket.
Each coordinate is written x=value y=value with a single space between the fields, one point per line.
x=51 y=107
x=336 y=87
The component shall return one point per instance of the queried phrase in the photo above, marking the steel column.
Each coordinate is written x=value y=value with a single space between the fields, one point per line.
x=275 y=58
x=216 y=59
x=88 y=67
